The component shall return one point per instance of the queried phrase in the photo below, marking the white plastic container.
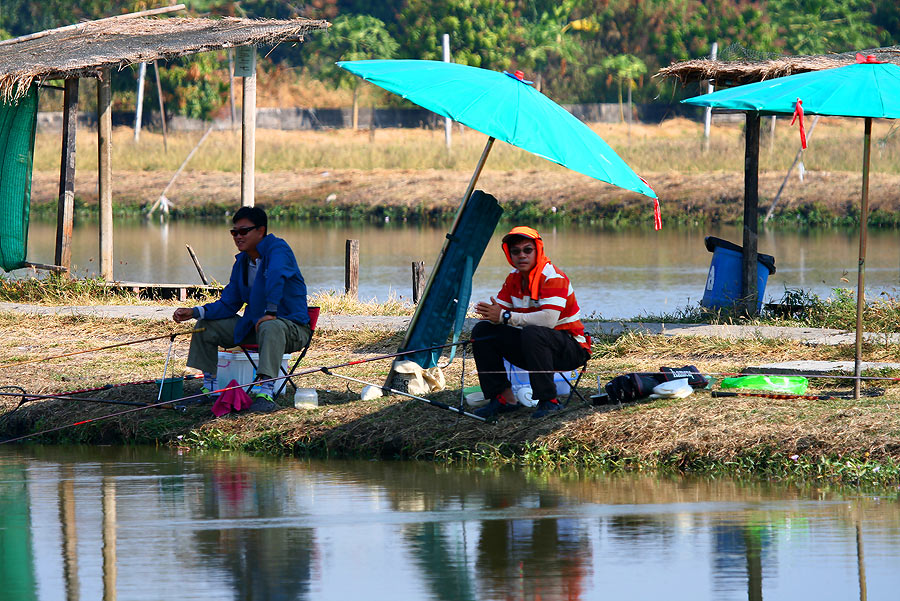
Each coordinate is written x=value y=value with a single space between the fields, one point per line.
x=306 y=398
x=233 y=365
x=518 y=379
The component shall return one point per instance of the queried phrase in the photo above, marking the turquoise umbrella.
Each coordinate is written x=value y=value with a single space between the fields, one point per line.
x=868 y=89
x=505 y=107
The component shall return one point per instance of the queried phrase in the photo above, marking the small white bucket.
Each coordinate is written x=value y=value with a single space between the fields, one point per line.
x=234 y=365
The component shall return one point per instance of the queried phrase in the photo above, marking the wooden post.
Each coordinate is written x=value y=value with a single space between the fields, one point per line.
x=418 y=280
x=65 y=211
x=351 y=269
x=104 y=159
x=248 y=116
x=751 y=214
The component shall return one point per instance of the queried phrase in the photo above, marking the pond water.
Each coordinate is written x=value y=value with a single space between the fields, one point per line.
x=616 y=274
x=136 y=523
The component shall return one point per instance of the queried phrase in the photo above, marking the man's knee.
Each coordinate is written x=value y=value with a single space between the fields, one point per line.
x=482 y=328
x=270 y=327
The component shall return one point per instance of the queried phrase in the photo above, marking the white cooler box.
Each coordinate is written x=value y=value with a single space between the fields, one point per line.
x=233 y=365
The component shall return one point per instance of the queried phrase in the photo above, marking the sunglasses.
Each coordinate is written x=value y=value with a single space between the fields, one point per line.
x=521 y=251
x=242 y=231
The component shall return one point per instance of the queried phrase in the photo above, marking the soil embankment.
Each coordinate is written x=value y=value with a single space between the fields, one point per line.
x=746 y=434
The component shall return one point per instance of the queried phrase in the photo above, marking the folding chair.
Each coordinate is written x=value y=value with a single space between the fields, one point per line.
x=573 y=388
x=313 y=319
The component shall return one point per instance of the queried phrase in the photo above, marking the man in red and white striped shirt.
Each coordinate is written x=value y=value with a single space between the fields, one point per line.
x=534 y=323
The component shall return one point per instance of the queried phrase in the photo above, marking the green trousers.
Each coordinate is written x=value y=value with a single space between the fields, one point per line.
x=275 y=338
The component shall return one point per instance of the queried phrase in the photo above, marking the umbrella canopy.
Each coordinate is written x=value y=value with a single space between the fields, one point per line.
x=503 y=107
x=860 y=90
x=868 y=89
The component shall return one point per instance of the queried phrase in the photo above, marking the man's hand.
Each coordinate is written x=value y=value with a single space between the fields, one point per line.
x=491 y=311
x=260 y=321
x=183 y=314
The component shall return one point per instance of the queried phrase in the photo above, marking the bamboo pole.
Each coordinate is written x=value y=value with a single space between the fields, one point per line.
x=104 y=151
x=139 y=103
x=465 y=200
x=162 y=106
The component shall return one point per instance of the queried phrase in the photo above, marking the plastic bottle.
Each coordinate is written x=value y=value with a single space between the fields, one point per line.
x=306 y=398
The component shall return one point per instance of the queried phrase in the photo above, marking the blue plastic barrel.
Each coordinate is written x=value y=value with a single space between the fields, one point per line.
x=723 y=284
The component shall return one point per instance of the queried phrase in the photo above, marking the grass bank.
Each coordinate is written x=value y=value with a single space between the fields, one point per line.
x=834 y=441
x=410 y=175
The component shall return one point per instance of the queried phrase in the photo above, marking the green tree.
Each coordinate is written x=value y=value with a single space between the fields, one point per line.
x=625 y=68
x=198 y=84
x=482 y=32
x=886 y=15
x=550 y=37
x=351 y=38
x=820 y=26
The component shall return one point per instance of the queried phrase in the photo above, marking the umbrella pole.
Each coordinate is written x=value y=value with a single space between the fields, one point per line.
x=861 y=271
x=437 y=264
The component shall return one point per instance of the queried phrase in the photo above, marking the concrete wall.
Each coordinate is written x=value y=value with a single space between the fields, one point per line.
x=297 y=118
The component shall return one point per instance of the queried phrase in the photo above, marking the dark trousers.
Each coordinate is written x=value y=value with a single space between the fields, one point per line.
x=536 y=349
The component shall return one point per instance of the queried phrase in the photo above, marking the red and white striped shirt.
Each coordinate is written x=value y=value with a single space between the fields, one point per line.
x=554 y=292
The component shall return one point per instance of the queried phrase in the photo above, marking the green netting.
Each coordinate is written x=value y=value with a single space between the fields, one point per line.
x=17 y=123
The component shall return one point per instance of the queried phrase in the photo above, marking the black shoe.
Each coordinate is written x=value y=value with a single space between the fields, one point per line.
x=546 y=408
x=495 y=408
x=263 y=405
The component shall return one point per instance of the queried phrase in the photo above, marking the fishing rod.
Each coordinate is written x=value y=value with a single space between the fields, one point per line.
x=723 y=374
x=227 y=388
x=437 y=404
x=27 y=396
x=101 y=348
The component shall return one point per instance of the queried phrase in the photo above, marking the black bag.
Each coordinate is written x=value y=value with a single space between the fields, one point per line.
x=632 y=387
x=693 y=375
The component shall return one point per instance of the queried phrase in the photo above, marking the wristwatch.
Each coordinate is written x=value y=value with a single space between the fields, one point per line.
x=506 y=316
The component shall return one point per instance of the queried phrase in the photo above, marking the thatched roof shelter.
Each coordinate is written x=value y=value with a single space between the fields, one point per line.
x=733 y=73
x=84 y=50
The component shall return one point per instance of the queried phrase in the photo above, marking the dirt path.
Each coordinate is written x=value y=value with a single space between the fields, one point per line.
x=714 y=196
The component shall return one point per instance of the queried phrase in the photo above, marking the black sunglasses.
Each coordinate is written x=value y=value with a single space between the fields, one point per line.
x=521 y=251
x=243 y=231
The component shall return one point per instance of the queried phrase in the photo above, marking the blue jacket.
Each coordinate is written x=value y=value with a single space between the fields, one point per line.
x=278 y=287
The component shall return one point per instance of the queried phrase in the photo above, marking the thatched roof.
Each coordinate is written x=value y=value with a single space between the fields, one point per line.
x=85 y=50
x=732 y=73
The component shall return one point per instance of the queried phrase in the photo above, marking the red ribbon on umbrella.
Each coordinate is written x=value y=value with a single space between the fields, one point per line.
x=798 y=115
x=868 y=59
x=657 y=216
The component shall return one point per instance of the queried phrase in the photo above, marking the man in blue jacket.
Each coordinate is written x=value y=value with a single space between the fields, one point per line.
x=267 y=279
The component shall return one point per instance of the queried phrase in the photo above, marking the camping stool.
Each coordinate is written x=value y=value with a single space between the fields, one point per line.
x=313 y=318
x=573 y=387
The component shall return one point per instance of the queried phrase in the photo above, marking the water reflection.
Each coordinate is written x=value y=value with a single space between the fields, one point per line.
x=616 y=274
x=144 y=524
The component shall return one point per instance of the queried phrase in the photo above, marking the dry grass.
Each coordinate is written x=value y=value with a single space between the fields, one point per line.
x=698 y=426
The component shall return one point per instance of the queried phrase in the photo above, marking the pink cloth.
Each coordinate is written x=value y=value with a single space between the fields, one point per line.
x=235 y=399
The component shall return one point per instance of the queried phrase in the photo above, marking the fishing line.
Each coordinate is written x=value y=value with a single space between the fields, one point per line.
x=227 y=388
x=101 y=348
x=162 y=382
